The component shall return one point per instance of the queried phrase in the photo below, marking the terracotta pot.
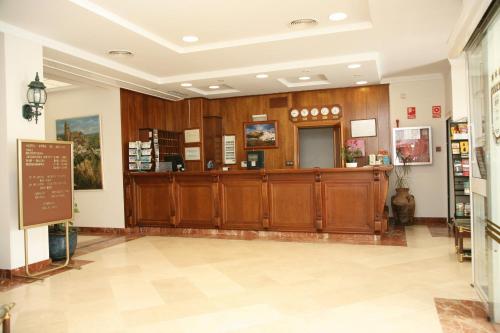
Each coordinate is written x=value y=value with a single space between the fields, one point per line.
x=403 y=206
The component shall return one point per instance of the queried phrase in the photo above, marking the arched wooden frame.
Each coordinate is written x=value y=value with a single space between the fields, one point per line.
x=338 y=137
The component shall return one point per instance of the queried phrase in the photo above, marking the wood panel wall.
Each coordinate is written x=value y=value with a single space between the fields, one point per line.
x=139 y=110
x=357 y=103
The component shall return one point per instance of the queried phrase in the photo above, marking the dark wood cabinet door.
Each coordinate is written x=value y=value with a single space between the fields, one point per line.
x=348 y=207
x=242 y=204
x=152 y=202
x=292 y=204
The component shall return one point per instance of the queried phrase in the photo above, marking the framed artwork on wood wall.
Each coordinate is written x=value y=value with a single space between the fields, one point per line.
x=261 y=134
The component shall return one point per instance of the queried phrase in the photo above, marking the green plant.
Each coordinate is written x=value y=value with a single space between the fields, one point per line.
x=350 y=154
x=402 y=171
x=60 y=227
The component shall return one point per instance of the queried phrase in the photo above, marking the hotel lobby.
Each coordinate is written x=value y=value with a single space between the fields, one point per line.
x=250 y=166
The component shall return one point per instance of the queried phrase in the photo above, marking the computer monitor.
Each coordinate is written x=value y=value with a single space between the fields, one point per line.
x=174 y=163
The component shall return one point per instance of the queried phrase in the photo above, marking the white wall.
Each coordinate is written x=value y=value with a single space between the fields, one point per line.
x=20 y=59
x=98 y=208
x=428 y=182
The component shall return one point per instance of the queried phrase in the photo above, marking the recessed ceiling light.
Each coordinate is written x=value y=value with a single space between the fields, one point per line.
x=186 y=84
x=262 y=76
x=362 y=82
x=120 y=53
x=214 y=87
x=352 y=66
x=190 y=39
x=339 y=16
x=304 y=78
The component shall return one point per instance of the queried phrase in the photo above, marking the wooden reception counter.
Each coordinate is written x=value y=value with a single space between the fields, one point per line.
x=308 y=200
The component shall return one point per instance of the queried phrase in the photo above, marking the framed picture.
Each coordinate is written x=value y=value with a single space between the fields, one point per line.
x=354 y=144
x=363 y=128
x=414 y=143
x=192 y=153
x=260 y=135
x=85 y=132
x=192 y=135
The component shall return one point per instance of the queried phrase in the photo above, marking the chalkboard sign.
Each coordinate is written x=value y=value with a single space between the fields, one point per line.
x=45 y=176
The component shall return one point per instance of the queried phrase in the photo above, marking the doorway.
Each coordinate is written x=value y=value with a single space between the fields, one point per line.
x=317 y=147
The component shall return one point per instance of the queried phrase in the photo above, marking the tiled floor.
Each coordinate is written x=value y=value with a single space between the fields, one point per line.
x=177 y=284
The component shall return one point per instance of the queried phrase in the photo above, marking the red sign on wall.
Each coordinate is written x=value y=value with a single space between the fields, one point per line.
x=436 y=111
x=411 y=112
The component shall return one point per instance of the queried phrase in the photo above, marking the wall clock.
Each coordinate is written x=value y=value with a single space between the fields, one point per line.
x=294 y=113
x=336 y=110
x=304 y=112
x=325 y=111
x=314 y=112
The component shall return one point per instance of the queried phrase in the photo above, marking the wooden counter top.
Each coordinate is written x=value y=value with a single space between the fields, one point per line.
x=263 y=171
x=340 y=200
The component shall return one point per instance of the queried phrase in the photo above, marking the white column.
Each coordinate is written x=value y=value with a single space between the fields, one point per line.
x=20 y=59
x=459 y=87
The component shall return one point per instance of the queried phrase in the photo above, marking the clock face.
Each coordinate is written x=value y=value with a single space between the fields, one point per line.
x=335 y=110
x=304 y=112
x=314 y=112
x=294 y=113
x=325 y=111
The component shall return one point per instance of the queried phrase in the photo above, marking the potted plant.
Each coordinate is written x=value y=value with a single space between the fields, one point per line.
x=350 y=155
x=403 y=203
x=57 y=239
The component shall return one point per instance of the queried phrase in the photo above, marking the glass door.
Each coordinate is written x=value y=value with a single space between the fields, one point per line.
x=483 y=57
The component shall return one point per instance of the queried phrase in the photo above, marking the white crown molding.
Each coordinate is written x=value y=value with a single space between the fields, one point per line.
x=76 y=52
x=58 y=67
x=269 y=68
x=126 y=24
x=289 y=84
x=212 y=92
x=412 y=78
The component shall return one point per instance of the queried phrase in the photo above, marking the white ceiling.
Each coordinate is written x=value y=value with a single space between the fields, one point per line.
x=237 y=40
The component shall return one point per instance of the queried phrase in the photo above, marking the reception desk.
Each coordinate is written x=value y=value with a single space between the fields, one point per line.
x=305 y=200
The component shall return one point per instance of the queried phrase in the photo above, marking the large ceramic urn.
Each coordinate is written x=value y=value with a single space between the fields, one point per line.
x=403 y=206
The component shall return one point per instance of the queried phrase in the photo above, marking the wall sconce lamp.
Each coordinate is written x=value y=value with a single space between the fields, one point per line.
x=37 y=96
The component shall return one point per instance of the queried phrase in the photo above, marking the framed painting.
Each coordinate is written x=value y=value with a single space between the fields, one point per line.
x=85 y=133
x=414 y=143
x=261 y=134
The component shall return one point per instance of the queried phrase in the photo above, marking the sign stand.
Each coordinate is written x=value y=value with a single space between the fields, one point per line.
x=35 y=276
x=45 y=193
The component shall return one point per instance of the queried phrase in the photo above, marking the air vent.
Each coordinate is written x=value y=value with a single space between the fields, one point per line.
x=303 y=23
x=278 y=102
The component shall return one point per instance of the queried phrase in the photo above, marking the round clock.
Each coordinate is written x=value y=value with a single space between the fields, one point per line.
x=304 y=112
x=325 y=111
x=336 y=110
x=294 y=113
x=314 y=112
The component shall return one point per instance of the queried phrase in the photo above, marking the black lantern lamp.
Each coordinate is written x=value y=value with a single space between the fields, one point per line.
x=36 y=98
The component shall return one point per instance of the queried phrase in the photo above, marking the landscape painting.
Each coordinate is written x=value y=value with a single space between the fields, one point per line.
x=261 y=134
x=85 y=132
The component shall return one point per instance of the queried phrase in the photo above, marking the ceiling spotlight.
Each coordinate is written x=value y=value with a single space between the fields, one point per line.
x=186 y=84
x=339 y=16
x=190 y=39
x=262 y=76
x=362 y=82
x=304 y=78
x=120 y=53
x=214 y=87
x=353 y=66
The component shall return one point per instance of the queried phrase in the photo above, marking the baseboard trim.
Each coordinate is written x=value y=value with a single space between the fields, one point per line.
x=8 y=274
x=430 y=221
